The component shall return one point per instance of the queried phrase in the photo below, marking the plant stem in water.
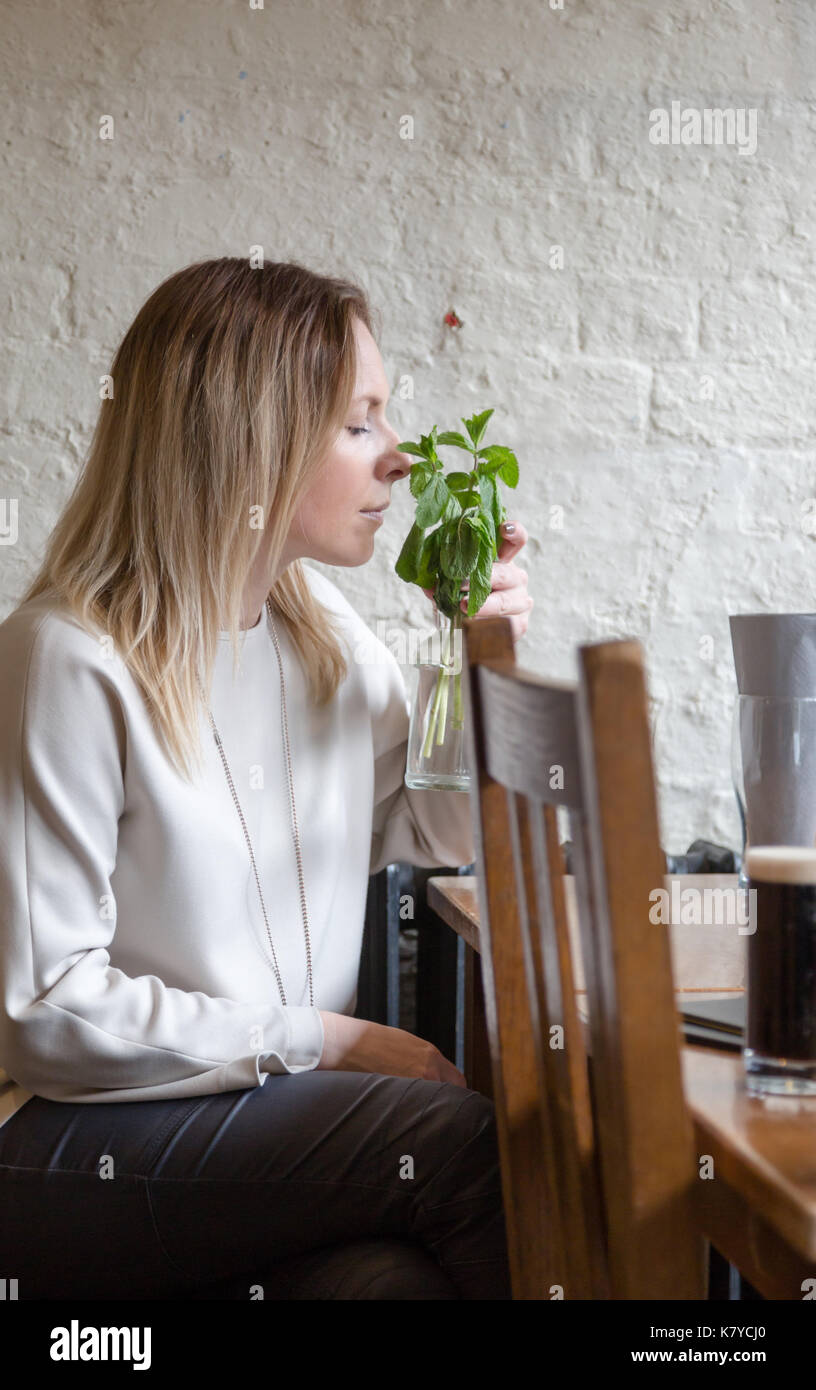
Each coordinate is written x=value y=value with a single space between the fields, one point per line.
x=438 y=707
x=458 y=707
x=434 y=711
x=443 y=708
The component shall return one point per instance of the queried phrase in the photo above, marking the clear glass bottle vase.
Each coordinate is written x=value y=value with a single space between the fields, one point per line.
x=437 y=756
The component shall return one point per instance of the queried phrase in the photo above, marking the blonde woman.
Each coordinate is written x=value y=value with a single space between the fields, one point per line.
x=202 y=749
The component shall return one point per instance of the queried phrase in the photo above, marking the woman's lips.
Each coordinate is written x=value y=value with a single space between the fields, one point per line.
x=375 y=513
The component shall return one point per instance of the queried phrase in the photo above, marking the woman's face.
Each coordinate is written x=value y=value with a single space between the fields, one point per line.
x=333 y=523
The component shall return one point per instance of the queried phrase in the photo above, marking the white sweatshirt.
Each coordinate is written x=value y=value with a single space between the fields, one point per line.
x=134 y=959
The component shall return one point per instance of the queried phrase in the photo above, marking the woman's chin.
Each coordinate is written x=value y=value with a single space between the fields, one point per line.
x=355 y=551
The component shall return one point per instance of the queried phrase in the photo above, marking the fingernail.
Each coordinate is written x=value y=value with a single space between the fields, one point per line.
x=509 y=527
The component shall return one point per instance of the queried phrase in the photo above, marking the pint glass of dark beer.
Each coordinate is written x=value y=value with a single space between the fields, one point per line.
x=780 y=1040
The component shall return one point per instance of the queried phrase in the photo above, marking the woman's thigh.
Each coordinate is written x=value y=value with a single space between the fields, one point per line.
x=162 y=1196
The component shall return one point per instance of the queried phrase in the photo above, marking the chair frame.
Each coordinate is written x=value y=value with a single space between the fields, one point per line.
x=596 y=1141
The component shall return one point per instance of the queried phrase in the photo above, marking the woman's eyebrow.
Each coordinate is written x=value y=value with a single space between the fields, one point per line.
x=374 y=400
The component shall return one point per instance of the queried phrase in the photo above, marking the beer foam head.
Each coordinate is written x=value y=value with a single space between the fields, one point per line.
x=781 y=864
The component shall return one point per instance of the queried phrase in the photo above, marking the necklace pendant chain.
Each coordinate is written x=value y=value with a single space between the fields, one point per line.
x=295 y=831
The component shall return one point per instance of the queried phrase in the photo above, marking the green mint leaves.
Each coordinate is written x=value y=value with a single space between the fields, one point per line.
x=465 y=510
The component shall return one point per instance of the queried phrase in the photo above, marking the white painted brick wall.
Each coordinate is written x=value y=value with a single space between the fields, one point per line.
x=658 y=388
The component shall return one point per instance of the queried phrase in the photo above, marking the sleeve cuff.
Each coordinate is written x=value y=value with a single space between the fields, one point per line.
x=305 y=1037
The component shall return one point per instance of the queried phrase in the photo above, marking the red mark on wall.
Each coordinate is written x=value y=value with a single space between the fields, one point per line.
x=453 y=320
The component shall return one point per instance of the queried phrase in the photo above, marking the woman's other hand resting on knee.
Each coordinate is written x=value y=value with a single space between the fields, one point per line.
x=356 y=1044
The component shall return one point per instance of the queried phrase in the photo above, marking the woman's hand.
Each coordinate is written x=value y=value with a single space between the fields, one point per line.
x=508 y=594
x=355 y=1044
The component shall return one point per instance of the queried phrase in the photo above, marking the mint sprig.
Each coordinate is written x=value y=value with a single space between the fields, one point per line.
x=464 y=508
x=454 y=537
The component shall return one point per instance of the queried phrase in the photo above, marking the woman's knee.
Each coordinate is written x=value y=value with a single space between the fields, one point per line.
x=467 y=1114
x=457 y=1144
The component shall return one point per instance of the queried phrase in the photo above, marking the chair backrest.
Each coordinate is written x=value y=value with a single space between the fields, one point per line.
x=598 y=1163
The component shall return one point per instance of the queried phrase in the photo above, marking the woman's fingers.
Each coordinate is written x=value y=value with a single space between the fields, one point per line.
x=506 y=601
x=511 y=541
x=507 y=575
x=508 y=595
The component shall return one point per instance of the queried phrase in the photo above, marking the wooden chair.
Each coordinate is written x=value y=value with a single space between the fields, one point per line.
x=596 y=1142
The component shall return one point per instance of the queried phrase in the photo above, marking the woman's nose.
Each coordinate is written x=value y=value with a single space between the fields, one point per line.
x=403 y=464
x=398 y=463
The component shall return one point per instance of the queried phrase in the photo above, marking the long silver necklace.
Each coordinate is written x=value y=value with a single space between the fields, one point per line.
x=295 y=832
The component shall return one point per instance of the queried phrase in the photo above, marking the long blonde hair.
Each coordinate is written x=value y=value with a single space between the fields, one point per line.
x=228 y=387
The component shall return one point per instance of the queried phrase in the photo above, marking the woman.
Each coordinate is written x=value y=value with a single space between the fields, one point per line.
x=187 y=839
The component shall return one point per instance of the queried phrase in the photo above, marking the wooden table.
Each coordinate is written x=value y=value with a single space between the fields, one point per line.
x=759 y=1209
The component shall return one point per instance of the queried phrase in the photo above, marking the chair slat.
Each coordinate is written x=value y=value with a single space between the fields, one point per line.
x=563 y=1086
x=576 y=1129
x=556 y=1255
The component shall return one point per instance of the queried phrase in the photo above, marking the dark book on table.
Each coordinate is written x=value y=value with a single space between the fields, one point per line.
x=716 y=1022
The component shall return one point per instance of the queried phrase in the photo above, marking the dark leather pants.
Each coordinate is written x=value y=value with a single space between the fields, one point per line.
x=318 y=1184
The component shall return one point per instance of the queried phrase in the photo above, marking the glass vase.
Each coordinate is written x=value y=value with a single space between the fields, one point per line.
x=437 y=755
